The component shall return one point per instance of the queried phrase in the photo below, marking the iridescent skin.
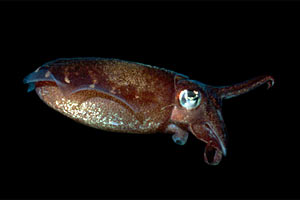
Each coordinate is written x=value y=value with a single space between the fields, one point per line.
x=121 y=96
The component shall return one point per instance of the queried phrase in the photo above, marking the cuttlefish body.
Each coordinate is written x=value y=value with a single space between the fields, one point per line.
x=121 y=96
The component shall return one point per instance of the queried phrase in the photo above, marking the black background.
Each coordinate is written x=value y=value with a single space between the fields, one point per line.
x=44 y=154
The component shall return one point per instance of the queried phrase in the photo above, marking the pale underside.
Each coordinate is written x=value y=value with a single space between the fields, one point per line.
x=100 y=113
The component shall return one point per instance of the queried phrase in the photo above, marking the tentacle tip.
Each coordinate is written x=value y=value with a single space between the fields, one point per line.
x=179 y=141
x=271 y=82
x=212 y=156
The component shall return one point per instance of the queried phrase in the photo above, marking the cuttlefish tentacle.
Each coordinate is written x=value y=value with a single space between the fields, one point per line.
x=215 y=133
x=227 y=92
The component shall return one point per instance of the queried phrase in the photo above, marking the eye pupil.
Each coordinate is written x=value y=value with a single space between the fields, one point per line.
x=191 y=95
x=189 y=98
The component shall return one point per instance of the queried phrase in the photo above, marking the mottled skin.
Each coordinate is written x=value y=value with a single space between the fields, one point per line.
x=121 y=96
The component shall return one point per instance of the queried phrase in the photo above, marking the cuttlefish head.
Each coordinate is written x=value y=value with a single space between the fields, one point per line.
x=198 y=107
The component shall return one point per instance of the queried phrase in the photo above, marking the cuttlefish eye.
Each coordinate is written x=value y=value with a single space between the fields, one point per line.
x=189 y=99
